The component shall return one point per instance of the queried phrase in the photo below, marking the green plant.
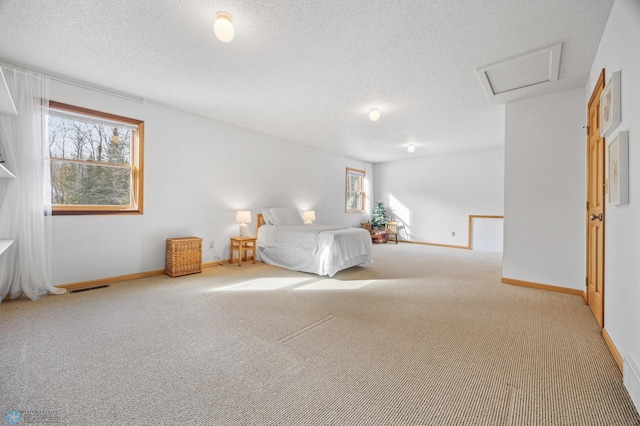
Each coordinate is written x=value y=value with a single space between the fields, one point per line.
x=380 y=217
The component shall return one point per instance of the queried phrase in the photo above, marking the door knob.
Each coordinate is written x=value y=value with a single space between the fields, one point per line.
x=593 y=217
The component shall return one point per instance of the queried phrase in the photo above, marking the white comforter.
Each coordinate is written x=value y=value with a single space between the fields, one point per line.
x=319 y=249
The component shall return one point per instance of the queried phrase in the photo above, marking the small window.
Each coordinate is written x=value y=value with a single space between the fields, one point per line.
x=96 y=161
x=354 y=191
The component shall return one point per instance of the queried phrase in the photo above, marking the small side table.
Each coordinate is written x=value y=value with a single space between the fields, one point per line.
x=242 y=245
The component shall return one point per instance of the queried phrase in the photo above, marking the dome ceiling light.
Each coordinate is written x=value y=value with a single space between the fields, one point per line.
x=223 y=27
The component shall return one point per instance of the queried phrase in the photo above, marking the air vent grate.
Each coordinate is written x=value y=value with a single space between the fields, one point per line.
x=78 y=290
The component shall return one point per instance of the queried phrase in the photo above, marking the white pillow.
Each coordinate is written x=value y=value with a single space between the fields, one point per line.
x=285 y=216
x=267 y=216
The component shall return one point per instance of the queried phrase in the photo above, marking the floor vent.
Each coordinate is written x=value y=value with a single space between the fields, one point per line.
x=78 y=290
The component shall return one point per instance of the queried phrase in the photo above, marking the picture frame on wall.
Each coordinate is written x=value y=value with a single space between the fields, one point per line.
x=618 y=169
x=610 y=106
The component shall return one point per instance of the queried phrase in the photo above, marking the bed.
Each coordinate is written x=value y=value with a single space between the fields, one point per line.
x=318 y=249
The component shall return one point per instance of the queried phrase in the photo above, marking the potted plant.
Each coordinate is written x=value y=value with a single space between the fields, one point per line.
x=379 y=221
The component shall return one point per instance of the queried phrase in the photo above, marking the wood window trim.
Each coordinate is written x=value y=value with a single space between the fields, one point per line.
x=346 y=191
x=137 y=173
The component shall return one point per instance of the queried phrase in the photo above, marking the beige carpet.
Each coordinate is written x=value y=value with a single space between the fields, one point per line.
x=423 y=336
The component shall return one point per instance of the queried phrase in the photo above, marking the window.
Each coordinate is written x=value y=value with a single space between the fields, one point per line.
x=96 y=161
x=354 y=191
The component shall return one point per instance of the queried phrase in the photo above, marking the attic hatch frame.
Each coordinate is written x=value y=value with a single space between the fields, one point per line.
x=489 y=75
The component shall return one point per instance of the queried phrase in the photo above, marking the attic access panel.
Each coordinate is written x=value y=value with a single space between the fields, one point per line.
x=540 y=67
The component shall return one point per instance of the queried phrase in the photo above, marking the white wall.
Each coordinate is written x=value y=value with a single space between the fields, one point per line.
x=198 y=172
x=434 y=196
x=487 y=234
x=544 y=210
x=618 y=51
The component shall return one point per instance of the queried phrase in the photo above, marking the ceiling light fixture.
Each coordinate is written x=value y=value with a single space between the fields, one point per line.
x=223 y=27
x=411 y=148
x=374 y=115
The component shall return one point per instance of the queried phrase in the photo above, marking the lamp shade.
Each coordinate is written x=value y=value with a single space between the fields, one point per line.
x=223 y=27
x=243 y=216
x=309 y=216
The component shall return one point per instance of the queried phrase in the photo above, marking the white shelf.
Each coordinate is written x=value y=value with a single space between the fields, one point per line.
x=6 y=103
x=4 y=173
x=5 y=244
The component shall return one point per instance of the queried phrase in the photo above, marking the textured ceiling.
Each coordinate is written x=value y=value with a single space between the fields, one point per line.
x=310 y=71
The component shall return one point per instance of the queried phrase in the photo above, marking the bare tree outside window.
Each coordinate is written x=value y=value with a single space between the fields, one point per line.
x=93 y=164
x=354 y=191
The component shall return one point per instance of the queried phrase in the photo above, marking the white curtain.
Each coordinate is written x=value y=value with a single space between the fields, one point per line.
x=25 y=202
x=368 y=188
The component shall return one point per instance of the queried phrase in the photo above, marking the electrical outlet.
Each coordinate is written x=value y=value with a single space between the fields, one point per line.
x=211 y=244
x=453 y=233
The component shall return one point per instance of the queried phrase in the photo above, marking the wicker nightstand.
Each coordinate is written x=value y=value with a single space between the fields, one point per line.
x=184 y=256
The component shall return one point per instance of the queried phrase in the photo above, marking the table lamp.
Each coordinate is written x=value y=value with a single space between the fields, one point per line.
x=309 y=216
x=243 y=217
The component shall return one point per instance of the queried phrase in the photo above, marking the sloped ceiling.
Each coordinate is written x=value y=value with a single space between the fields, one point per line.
x=310 y=71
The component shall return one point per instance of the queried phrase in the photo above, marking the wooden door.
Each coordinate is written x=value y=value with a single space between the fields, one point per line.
x=595 y=206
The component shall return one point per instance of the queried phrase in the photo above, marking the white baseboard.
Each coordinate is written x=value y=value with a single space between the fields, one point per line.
x=631 y=379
